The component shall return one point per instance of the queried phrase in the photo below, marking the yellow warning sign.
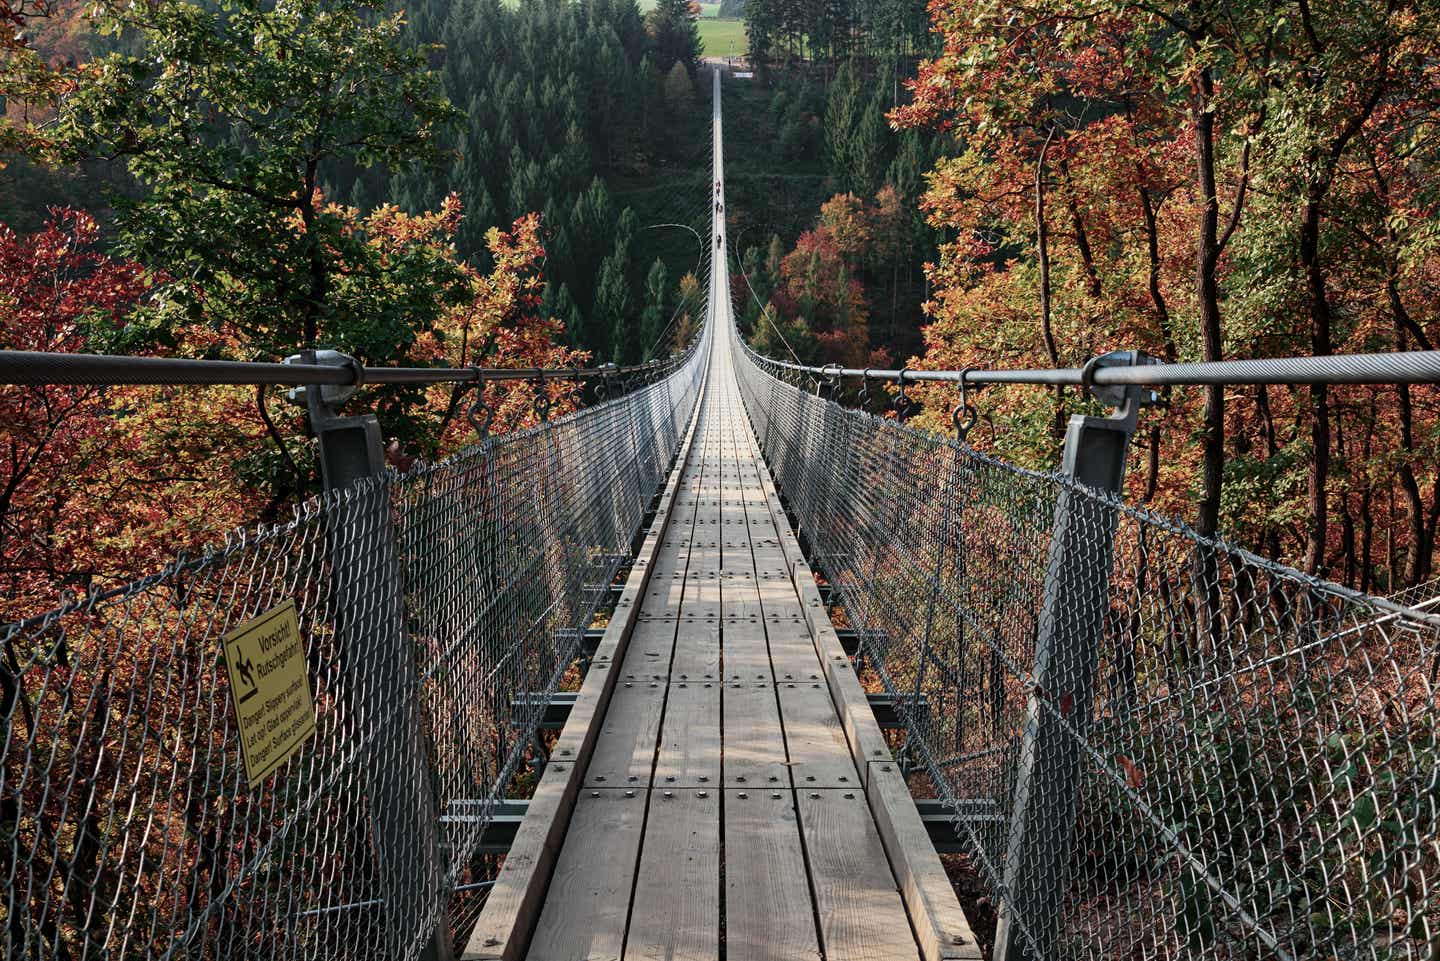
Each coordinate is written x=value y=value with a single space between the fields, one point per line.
x=270 y=689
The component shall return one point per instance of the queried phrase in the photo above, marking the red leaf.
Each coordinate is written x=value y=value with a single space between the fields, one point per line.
x=1133 y=775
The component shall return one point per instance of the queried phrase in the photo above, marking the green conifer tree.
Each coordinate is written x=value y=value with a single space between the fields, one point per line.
x=675 y=34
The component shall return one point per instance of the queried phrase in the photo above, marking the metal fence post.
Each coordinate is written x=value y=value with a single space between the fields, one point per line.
x=382 y=689
x=1067 y=646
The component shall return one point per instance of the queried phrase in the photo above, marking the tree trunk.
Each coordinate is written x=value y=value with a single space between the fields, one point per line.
x=1347 y=520
x=319 y=272
x=1042 y=246
x=1207 y=289
x=1152 y=478
x=1157 y=296
x=1082 y=238
x=1317 y=501
x=1416 y=547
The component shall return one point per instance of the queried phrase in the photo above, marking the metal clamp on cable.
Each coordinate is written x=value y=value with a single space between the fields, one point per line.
x=331 y=395
x=349 y=447
x=480 y=415
x=831 y=374
x=965 y=415
x=862 y=397
x=1116 y=395
x=902 y=404
x=1095 y=447
x=541 y=404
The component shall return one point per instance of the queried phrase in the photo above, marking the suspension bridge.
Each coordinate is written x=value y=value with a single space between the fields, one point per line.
x=788 y=654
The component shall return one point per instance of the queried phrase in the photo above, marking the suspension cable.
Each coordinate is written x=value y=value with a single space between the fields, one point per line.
x=1399 y=367
x=765 y=309
x=39 y=368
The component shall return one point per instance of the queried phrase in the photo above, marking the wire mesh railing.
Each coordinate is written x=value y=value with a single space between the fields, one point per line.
x=425 y=604
x=1157 y=745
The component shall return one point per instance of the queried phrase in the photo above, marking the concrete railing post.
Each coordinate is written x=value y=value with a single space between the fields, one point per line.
x=1067 y=646
x=381 y=688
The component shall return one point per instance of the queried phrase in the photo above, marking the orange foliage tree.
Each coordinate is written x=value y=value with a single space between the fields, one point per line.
x=98 y=485
x=1203 y=181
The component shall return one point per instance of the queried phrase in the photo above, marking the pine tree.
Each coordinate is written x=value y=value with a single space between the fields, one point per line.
x=676 y=35
x=679 y=91
x=557 y=303
x=613 y=312
x=760 y=32
x=653 y=320
x=591 y=229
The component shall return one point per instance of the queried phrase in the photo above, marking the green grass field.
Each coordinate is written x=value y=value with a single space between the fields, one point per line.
x=718 y=38
x=706 y=9
x=716 y=35
x=722 y=38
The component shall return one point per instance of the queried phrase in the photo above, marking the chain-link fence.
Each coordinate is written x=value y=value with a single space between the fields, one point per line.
x=1156 y=744
x=430 y=605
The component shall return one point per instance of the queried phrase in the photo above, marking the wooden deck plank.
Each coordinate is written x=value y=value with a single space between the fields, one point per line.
x=666 y=588
x=739 y=599
x=676 y=914
x=648 y=655
x=690 y=745
x=754 y=742
x=747 y=652
x=736 y=560
x=861 y=915
x=768 y=912
x=589 y=897
x=624 y=754
x=697 y=652
x=815 y=738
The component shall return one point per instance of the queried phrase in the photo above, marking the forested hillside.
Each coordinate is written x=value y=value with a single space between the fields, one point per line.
x=1201 y=181
x=832 y=30
x=563 y=105
x=1208 y=182
x=833 y=247
x=462 y=184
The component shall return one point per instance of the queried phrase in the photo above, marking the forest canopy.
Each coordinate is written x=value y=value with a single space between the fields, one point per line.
x=947 y=184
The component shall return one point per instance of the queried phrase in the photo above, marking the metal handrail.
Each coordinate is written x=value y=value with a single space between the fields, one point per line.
x=1400 y=367
x=35 y=368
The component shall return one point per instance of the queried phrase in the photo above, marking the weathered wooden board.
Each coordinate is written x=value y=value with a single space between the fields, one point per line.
x=697 y=651
x=689 y=755
x=754 y=742
x=739 y=599
x=676 y=916
x=747 y=652
x=648 y=655
x=861 y=915
x=624 y=754
x=589 y=897
x=819 y=754
x=768 y=912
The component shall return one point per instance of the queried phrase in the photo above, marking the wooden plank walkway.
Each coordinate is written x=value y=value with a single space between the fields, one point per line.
x=722 y=803
x=728 y=793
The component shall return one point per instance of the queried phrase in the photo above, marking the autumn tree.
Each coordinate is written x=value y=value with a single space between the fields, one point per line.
x=1193 y=179
x=73 y=457
x=229 y=115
